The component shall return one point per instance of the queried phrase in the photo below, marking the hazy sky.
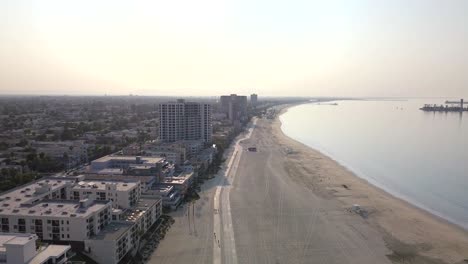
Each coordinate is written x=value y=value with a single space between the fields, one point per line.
x=213 y=47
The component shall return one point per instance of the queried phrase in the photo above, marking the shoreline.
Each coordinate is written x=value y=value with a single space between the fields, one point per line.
x=401 y=223
x=376 y=184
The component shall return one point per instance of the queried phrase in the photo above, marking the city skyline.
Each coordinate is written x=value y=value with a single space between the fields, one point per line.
x=280 y=48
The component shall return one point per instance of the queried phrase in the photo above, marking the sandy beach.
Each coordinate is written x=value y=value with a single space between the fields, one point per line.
x=412 y=234
x=287 y=203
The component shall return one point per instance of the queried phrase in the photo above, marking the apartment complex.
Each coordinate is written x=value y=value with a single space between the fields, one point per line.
x=123 y=235
x=83 y=212
x=21 y=249
x=183 y=120
x=122 y=194
x=234 y=106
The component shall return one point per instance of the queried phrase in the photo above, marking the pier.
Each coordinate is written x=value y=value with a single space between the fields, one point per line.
x=450 y=106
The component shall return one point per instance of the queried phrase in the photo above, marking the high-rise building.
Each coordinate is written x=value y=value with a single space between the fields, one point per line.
x=185 y=121
x=253 y=99
x=234 y=106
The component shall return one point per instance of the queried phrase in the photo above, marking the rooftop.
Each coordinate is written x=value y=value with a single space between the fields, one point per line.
x=119 y=177
x=143 y=160
x=49 y=251
x=15 y=239
x=102 y=185
x=143 y=205
x=31 y=193
x=179 y=179
x=56 y=208
x=112 y=231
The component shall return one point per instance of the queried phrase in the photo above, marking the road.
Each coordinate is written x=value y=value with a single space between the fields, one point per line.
x=260 y=215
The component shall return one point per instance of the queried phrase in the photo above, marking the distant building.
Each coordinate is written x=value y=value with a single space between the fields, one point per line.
x=253 y=99
x=185 y=121
x=234 y=106
x=21 y=249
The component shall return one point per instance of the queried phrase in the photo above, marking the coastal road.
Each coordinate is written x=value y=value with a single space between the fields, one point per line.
x=276 y=220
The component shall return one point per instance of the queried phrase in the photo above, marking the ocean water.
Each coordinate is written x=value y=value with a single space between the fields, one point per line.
x=418 y=156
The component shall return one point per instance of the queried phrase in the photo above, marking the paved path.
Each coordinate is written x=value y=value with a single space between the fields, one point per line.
x=224 y=247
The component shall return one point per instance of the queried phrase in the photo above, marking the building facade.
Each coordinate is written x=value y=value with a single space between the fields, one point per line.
x=21 y=249
x=253 y=99
x=185 y=121
x=234 y=106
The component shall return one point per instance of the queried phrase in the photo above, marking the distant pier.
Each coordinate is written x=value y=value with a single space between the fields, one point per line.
x=450 y=106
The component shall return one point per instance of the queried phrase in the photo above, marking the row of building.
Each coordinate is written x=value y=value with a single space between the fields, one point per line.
x=105 y=208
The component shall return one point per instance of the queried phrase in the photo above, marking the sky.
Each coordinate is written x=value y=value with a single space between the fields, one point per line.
x=391 y=48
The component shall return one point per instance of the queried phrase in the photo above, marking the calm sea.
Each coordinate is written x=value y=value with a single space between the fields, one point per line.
x=418 y=156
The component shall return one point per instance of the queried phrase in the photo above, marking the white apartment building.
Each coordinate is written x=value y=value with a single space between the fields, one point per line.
x=185 y=121
x=171 y=197
x=21 y=249
x=122 y=194
x=145 y=181
x=104 y=216
x=123 y=162
x=123 y=235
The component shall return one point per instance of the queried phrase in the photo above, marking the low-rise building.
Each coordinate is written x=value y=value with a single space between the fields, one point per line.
x=180 y=182
x=123 y=235
x=123 y=162
x=121 y=194
x=171 y=197
x=22 y=249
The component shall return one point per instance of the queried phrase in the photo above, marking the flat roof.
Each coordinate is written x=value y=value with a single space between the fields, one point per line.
x=54 y=208
x=26 y=194
x=179 y=179
x=102 y=184
x=132 y=215
x=112 y=231
x=120 y=177
x=144 y=159
x=15 y=239
x=48 y=252
x=109 y=171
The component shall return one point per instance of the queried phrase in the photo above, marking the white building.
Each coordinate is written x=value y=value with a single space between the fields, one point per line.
x=121 y=194
x=171 y=197
x=105 y=217
x=22 y=249
x=123 y=162
x=185 y=121
x=123 y=235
